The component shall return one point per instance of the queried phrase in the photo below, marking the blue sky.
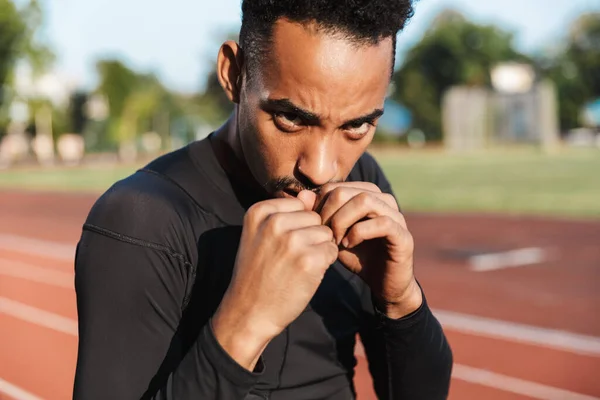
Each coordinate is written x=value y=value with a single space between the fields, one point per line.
x=179 y=41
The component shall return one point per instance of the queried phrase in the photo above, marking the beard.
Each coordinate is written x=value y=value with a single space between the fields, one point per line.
x=291 y=185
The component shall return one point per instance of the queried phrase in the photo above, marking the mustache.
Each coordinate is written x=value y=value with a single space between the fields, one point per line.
x=289 y=182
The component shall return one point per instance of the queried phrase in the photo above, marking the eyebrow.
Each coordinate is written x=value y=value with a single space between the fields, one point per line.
x=365 y=118
x=308 y=117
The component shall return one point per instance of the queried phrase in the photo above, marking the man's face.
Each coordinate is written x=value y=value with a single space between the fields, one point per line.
x=310 y=113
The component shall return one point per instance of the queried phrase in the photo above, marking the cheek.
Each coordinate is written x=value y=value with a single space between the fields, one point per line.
x=350 y=153
x=268 y=152
x=279 y=149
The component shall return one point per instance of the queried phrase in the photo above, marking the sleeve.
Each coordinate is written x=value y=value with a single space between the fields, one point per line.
x=129 y=300
x=409 y=358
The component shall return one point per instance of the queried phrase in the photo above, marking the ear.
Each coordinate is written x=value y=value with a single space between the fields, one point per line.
x=230 y=63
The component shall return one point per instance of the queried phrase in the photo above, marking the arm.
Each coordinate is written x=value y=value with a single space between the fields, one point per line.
x=408 y=354
x=409 y=358
x=129 y=299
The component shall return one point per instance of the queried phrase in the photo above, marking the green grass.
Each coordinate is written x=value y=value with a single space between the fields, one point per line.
x=511 y=182
x=81 y=179
x=517 y=181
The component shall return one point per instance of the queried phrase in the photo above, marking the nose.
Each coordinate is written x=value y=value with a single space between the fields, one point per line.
x=318 y=162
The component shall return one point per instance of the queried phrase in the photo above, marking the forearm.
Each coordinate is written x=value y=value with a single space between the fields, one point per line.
x=242 y=339
x=134 y=341
x=414 y=359
x=205 y=371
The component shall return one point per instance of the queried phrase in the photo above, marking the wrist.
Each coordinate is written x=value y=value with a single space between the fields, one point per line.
x=240 y=336
x=407 y=303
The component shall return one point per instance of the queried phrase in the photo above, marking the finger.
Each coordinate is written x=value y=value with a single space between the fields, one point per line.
x=368 y=186
x=341 y=196
x=260 y=211
x=308 y=198
x=283 y=222
x=361 y=206
x=380 y=227
x=309 y=236
x=326 y=191
x=321 y=256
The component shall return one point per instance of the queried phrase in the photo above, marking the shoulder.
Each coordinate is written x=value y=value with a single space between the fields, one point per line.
x=141 y=206
x=148 y=206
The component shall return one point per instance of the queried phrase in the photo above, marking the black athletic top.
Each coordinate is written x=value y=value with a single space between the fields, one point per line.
x=153 y=262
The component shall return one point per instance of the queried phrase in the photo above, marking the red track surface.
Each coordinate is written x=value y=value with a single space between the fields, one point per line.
x=561 y=293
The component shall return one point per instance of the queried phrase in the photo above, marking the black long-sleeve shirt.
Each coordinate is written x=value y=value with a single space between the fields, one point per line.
x=153 y=262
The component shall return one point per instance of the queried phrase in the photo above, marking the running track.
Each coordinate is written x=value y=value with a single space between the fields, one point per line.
x=526 y=332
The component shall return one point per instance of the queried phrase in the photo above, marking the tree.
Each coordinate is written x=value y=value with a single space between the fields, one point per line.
x=121 y=86
x=213 y=103
x=453 y=51
x=19 y=42
x=12 y=32
x=116 y=82
x=576 y=69
x=137 y=103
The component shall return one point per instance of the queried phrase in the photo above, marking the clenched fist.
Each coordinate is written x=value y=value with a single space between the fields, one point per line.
x=284 y=252
x=375 y=242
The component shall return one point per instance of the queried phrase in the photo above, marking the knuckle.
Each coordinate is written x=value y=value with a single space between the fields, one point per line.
x=256 y=211
x=305 y=262
x=390 y=199
x=373 y=187
x=274 y=223
x=409 y=240
x=364 y=199
x=316 y=217
x=293 y=240
x=391 y=226
x=251 y=213
x=388 y=222
x=339 y=195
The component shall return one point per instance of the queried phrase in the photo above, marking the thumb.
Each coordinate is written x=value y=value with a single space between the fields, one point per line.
x=308 y=198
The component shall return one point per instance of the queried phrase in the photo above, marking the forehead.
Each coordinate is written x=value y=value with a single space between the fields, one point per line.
x=324 y=72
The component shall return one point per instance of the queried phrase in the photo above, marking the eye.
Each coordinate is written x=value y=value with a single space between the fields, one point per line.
x=359 y=128
x=287 y=121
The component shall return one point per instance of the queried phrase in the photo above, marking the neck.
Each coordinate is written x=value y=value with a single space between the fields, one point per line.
x=227 y=135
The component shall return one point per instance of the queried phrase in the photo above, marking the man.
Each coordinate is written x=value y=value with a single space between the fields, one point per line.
x=244 y=265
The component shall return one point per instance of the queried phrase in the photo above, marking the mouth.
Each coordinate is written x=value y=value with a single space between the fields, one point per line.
x=291 y=192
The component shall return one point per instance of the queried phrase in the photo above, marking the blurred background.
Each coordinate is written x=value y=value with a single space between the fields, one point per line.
x=491 y=140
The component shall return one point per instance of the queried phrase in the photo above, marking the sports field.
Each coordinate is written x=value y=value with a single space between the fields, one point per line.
x=516 y=181
x=508 y=251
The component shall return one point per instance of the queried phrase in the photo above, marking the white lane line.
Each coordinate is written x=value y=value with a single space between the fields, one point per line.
x=465 y=373
x=464 y=323
x=44 y=248
x=503 y=382
x=549 y=338
x=16 y=392
x=39 y=317
x=514 y=385
x=36 y=274
x=507 y=259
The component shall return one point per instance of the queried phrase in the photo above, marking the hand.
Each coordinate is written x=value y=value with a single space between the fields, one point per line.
x=283 y=255
x=374 y=242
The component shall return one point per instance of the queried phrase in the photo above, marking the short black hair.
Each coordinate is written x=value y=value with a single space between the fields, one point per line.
x=361 y=21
